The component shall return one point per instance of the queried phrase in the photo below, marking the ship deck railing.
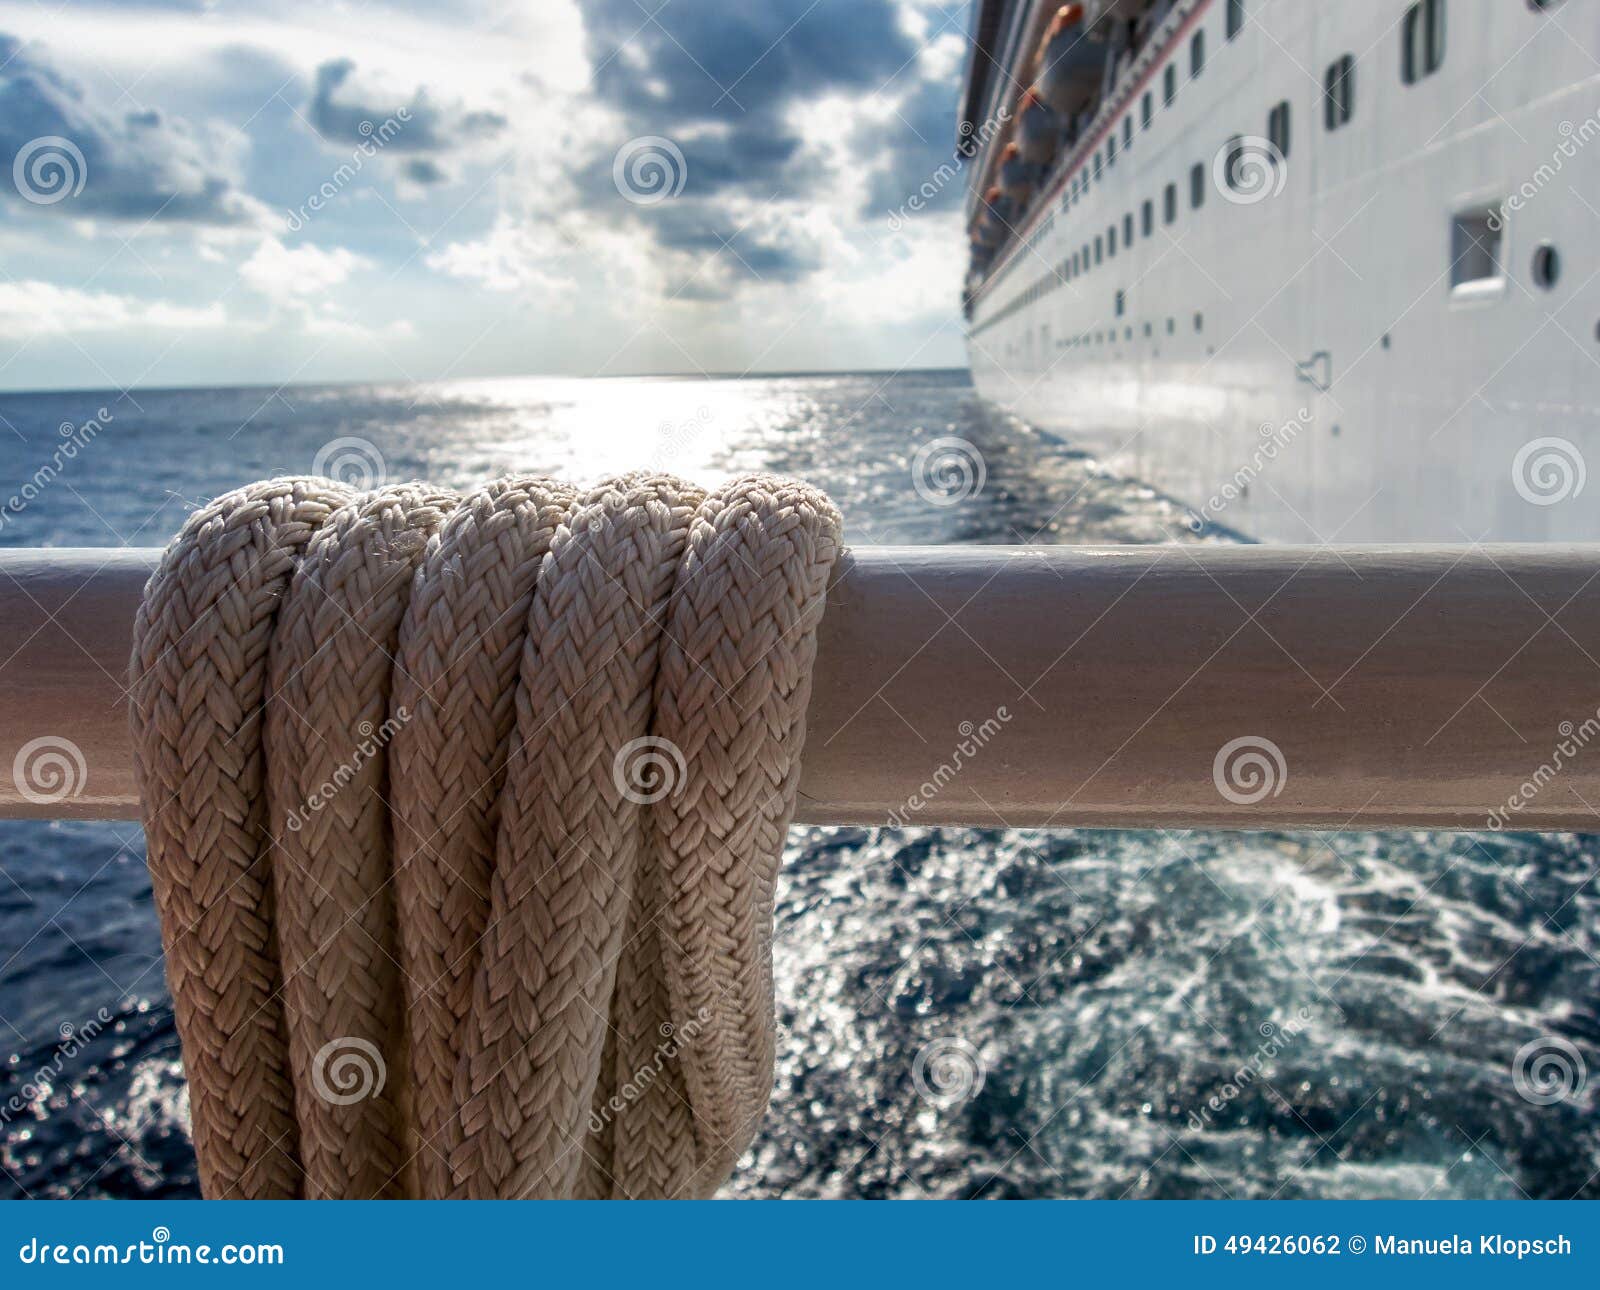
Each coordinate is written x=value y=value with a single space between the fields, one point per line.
x=1177 y=686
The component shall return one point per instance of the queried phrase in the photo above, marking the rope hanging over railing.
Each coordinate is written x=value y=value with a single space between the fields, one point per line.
x=561 y=732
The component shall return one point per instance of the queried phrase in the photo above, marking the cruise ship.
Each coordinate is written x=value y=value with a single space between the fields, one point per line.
x=1321 y=272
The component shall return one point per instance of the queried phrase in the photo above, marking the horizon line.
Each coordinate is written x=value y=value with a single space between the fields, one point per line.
x=353 y=382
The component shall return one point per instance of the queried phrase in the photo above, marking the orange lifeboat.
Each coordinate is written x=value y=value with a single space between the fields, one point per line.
x=1017 y=176
x=1071 y=65
x=1037 y=129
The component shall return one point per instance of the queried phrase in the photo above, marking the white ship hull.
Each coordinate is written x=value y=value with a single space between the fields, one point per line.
x=1330 y=362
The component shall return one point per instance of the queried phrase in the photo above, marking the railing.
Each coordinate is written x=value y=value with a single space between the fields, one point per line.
x=1164 y=40
x=1198 y=685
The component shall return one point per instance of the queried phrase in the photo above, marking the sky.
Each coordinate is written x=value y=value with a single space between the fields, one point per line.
x=206 y=192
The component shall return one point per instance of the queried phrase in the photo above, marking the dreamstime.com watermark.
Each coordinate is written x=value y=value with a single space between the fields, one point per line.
x=160 y=1250
x=1573 y=139
x=38 y=1086
x=1274 y=439
x=974 y=738
x=649 y=169
x=1548 y=1070
x=1573 y=740
x=49 y=169
x=973 y=141
x=1249 y=769
x=348 y=1070
x=373 y=740
x=1248 y=170
x=947 y=471
x=74 y=439
x=1548 y=471
x=674 y=1039
x=48 y=770
x=675 y=438
x=1274 y=1040
x=648 y=769
x=375 y=139
x=948 y=1071
x=353 y=461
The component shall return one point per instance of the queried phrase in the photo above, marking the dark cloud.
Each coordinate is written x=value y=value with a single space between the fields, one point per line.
x=721 y=254
x=740 y=64
x=66 y=155
x=727 y=82
x=423 y=170
x=914 y=156
x=341 y=115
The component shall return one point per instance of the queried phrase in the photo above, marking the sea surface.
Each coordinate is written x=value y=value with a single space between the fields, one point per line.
x=963 y=1012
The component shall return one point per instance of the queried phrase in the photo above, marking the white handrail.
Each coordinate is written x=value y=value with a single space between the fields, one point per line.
x=1176 y=686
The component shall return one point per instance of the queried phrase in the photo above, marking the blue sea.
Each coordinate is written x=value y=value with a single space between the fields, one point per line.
x=963 y=1012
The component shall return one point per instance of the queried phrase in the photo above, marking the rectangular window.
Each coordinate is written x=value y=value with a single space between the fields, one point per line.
x=1278 y=128
x=1197 y=185
x=1421 y=40
x=1111 y=240
x=1475 y=247
x=1232 y=168
x=1127 y=229
x=1121 y=303
x=1235 y=17
x=1338 y=91
x=1086 y=257
x=1148 y=109
x=1147 y=218
x=1169 y=85
x=1099 y=249
x=1097 y=165
x=1111 y=150
x=1169 y=204
x=1197 y=54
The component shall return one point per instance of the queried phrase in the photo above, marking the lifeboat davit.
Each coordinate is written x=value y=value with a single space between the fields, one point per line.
x=995 y=220
x=1070 y=64
x=1037 y=129
x=1017 y=177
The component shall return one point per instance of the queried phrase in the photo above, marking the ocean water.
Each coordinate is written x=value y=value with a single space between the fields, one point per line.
x=963 y=1012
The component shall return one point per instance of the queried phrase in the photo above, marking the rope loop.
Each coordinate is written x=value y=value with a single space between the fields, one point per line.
x=464 y=815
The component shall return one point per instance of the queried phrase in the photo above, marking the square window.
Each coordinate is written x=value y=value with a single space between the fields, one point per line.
x=1475 y=248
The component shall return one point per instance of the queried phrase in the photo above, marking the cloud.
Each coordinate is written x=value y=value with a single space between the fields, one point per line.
x=345 y=111
x=68 y=155
x=31 y=308
x=529 y=258
x=284 y=274
x=793 y=124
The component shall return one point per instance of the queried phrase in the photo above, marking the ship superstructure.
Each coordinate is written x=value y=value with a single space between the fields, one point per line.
x=1323 y=272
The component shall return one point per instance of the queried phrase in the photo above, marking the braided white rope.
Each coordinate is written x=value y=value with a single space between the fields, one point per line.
x=429 y=932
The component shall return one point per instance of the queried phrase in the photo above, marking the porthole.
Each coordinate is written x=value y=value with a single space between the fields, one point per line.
x=1546 y=265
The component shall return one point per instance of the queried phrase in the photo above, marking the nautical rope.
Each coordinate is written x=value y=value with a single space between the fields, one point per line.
x=463 y=817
